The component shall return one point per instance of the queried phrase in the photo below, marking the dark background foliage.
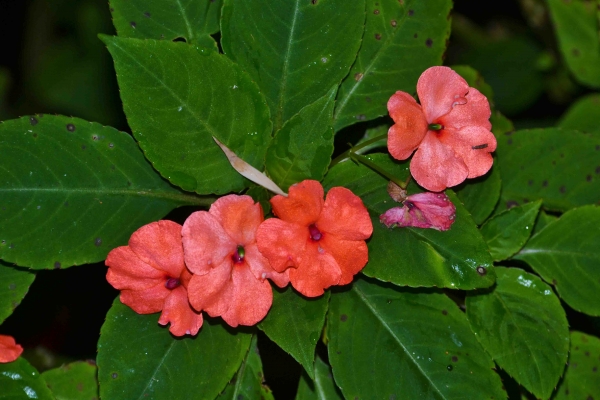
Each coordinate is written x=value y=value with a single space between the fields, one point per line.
x=52 y=62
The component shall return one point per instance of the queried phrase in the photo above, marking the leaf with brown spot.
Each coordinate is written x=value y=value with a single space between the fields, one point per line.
x=76 y=380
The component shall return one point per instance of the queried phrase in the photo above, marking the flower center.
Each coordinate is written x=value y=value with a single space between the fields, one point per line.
x=172 y=283
x=435 y=127
x=315 y=233
x=409 y=204
x=238 y=256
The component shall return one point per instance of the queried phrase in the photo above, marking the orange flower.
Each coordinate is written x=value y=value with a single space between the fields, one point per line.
x=152 y=277
x=450 y=130
x=323 y=241
x=9 y=349
x=229 y=273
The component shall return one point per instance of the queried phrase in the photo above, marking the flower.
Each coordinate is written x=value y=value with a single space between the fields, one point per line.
x=9 y=349
x=450 y=130
x=421 y=210
x=152 y=277
x=229 y=273
x=322 y=241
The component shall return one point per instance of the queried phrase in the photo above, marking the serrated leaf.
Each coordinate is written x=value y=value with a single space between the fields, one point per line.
x=302 y=148
x=576 y=27
x=14 y=285
x=322 y=387
x=401 y=40
x=523 y=326
x=138 y=358
x=74 y=381
x=73 y=190
x=193 y=20
x=391 y=343
x=413 y=256
x=507 y=232
x=19 y=380
x=566 y=254
x=295 y=50
x=582 y=115
x=177 y=97
x=558 y=165
x=248 y=381
x=295 y=323
x=581 y=378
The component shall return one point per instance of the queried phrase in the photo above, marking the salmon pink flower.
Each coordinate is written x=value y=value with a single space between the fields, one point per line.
x=152 y=277
x=450 y=130
x=9 y=349
x=322 y=241
x=229 y=273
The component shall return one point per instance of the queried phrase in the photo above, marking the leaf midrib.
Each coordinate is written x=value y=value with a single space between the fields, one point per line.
x=397 y=339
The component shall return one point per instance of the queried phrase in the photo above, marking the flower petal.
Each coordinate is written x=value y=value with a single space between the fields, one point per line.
x=439 y=88
x=145 y=301
x=475 y=112
x=179 y=313
x=345 y=215
x=211 y=292
x=159 y=245
x=473 y=145
x=303 y=204
x=251 y=298
x=410 y=125
x=350 y=255
x=127 y=271
x=395 y=216
x=281 y=242
x=239 y=216
x=261 y=268
x=436 y=208
x=435 y=166
x=317 y=271
x=9 y=349
x=206 y=244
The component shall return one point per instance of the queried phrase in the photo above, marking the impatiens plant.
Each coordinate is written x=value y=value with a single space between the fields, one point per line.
x=305 y=177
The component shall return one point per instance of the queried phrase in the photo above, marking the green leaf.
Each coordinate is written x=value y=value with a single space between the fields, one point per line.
x=248 y=382
x=14 y=285
x=542 y=220
x=582 y=115
x=414 y=256
x=576 y=26
x=387 y=342
x=371 y=134
x=474 y=79
x=523 y=326
x=581 y=379
x=74 y=381
x=295 y=50
x=566 y=253
x=177 y=97
x=480 y=195
x=295 y=323
x=138 y=358
x=507 y=232
x=73 y=190
x=19 y=380
x=558 y=165
x=322 y=387
x=401 y=40
x=302 y=148
x=167 y=19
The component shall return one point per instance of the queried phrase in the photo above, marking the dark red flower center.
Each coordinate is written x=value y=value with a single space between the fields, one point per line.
x=315 y=233
x=435 y=127
x=172 y=283
x=409 y=204
x=238 y=256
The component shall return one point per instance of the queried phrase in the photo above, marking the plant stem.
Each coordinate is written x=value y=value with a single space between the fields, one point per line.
x=347 y=153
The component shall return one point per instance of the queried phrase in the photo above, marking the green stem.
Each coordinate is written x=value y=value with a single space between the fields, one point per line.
x=365 y=161
x=347 y=153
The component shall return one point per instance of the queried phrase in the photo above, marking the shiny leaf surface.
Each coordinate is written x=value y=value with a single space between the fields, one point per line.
x=523 y=326
x=19 y=380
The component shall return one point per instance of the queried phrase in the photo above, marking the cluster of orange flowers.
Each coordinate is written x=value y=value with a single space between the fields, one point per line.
x=220 y=260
